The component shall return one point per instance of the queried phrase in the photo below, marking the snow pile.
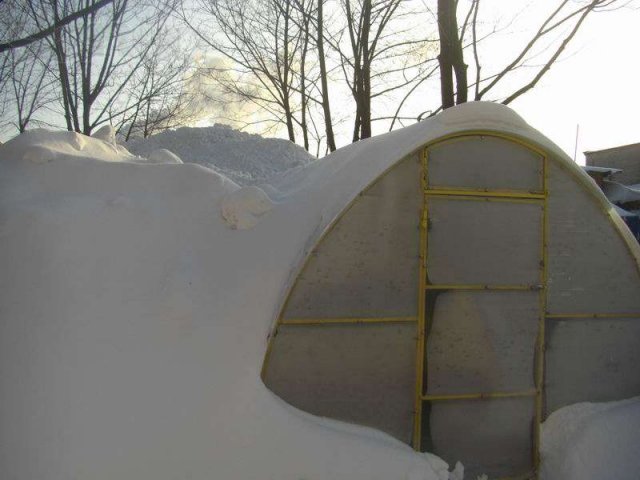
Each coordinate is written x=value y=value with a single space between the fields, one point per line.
x=592 y=441
x=244 y=158
x=40 y=146
x=134 y=320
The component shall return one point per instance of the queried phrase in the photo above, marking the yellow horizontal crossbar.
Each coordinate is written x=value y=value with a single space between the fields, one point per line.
x=561 y=316
x=480 y=396
x=482 y=194
x=482 y=287
x=346 y=320
x=524 y=476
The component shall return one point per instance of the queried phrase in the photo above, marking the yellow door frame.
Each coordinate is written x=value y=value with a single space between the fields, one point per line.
x=484 y=195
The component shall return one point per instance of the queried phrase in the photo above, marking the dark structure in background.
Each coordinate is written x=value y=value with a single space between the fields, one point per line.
x=617 y=172
x=625 y=158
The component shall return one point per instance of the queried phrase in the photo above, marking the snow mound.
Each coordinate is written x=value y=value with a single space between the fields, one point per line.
x=496 y=116
x=106 y=133
x=43 y=146
x=592 y=441
x=244 y=158
x=243 y=208
x=133 y=325
x=163 y=155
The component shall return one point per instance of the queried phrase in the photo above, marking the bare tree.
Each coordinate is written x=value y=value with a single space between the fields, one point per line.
x=277 y=58
x=25 y=80
x=451 y=57
x=158 y=96
x=550 y=39
x=384 y=52
x=30 y=83
x=326 y=107
x=98 y=53
x=262 y=44
x=39 y=35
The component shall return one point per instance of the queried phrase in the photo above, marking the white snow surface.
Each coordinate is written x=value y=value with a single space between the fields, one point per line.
x=136 y=300
x=590 y=441
x=245 y=158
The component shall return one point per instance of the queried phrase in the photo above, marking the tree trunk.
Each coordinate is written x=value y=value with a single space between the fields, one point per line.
x=365 y=73
x=328 y=126
x=446 y=10
x=303 y=80
x=285 y=83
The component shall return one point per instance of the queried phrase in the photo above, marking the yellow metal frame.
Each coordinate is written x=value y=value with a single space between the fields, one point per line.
x=568 y=316
x=525 y=197
x=480 y=396
x=540 y=343
x=484 y=194
x=451 y=286
x=346 y=320
x=421 y=334
x=483 y=197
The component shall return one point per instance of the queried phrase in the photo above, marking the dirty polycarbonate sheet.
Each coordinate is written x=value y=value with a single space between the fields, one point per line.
x=479 y=242
x=481 y=341
x=590 y=268
x=363 y=374
x=489 y=436
x=482 y=162
x=367 y=265
x=591 y=360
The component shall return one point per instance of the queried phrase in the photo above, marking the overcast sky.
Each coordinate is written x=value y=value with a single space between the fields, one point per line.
x=597 y=87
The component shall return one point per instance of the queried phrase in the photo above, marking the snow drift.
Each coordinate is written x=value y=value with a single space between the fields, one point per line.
x=591 y=441
x=134 y=318
x=245 y=158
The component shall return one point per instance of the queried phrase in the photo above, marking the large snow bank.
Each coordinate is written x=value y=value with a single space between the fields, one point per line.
x=245 y=158
x=134 y=317
x=133 y=322
x=592 y=441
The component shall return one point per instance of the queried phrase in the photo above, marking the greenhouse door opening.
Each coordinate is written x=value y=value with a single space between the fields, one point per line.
x=483 y=270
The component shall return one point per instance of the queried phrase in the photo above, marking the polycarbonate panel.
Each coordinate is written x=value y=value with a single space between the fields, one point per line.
x=363 y=374
x=492 y=437
x=367 y=265
x=482 y=162
x=480 y=341
x=591 y=360
x=480 y=242
x=590 y=268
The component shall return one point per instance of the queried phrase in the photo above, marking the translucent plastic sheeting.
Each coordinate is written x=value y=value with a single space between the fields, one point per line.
x=492 y=437
x=367 y=265
x=481 y=162
x=480 y=242
x=591 y=360
x=363 y=374
x=590 y=268
x=481 y=341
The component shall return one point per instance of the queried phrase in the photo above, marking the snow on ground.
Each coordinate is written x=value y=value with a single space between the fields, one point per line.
x=590 y=441
x=137 y=294
x=245 y=158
